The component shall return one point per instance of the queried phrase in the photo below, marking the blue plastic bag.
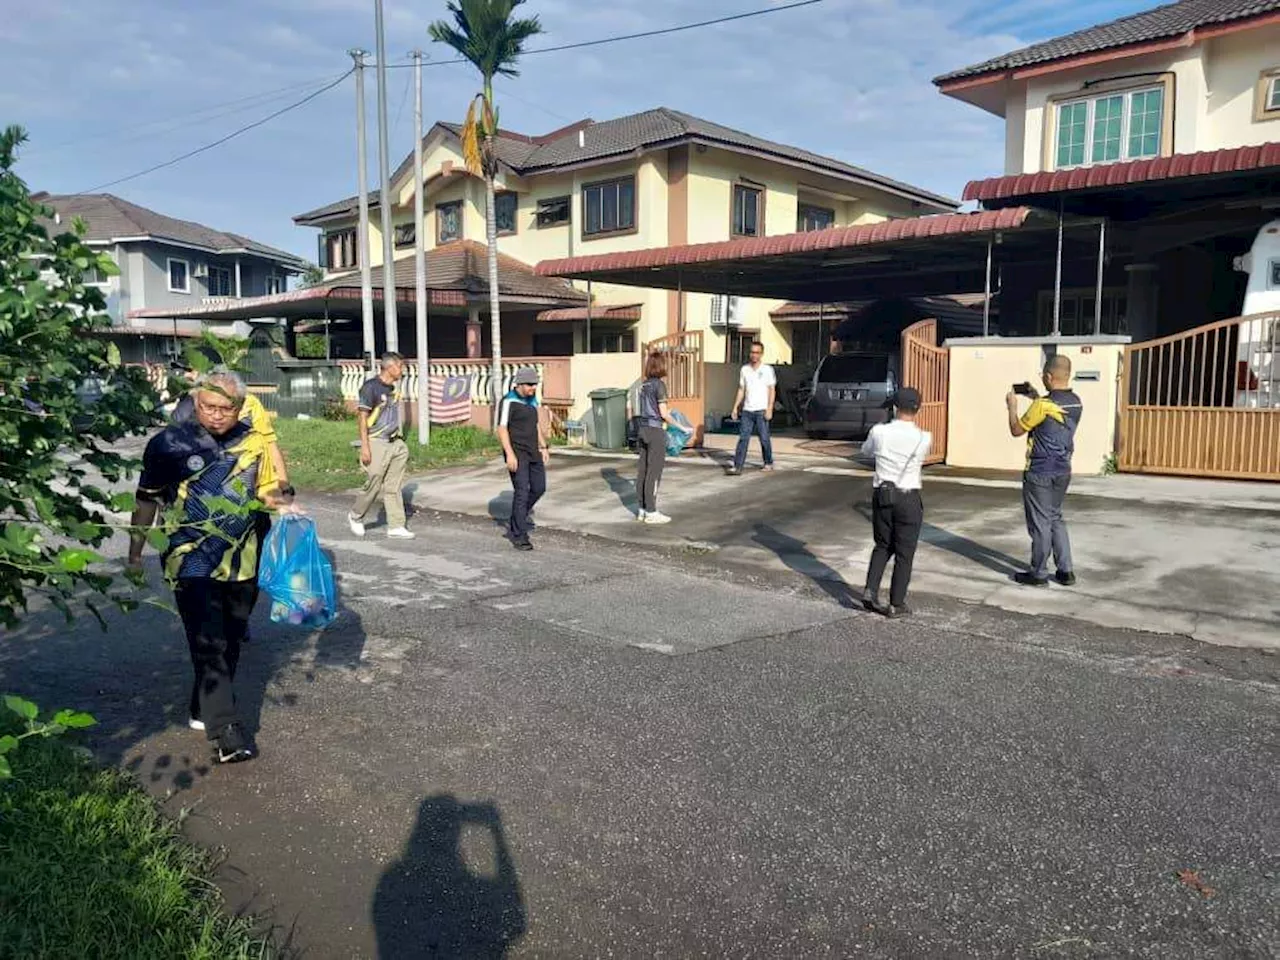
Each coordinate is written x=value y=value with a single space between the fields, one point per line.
x=678 y=437
x=296 y=574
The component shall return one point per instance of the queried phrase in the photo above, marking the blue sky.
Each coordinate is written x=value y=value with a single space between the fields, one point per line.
x=109 y=88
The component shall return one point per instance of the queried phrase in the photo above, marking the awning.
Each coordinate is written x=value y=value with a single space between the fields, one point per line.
x=630 y=312
x=1136 y=185
x=917 y=256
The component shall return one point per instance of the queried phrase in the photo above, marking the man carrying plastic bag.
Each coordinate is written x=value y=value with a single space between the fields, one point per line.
x=209 y=473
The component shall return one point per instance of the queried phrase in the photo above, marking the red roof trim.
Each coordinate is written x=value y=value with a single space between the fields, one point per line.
x=1208 y=163
x=835 y=238
x=598 y=312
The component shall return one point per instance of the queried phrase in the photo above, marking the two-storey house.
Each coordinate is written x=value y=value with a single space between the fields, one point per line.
x=168 y=266
x=652 y=179
x=1165 y=125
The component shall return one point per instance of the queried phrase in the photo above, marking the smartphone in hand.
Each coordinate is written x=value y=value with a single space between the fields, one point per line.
x=1025 y=389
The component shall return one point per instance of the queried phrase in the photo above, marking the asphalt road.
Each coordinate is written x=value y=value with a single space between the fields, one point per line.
x=598 y=750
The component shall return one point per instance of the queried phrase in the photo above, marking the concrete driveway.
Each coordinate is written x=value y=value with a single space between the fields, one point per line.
x=1163 y=555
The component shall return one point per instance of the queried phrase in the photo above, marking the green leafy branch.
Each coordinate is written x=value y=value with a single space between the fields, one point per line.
x=29 y=714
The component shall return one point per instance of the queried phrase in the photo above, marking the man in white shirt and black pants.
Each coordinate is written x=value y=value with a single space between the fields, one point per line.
x=757 y=391
x=898 y=449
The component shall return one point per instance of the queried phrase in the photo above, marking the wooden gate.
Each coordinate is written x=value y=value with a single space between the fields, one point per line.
x=686 y=376
x=1205 y=402
x=926 y=366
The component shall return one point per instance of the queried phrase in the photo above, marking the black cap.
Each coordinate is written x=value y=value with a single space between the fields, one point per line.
x=907 y=399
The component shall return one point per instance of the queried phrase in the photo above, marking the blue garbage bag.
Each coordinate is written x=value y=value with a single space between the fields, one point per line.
x=296 y=574
x=678 y=437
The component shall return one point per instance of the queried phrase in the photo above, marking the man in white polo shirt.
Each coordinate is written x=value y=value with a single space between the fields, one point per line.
x=757 y=391
x=898 y=449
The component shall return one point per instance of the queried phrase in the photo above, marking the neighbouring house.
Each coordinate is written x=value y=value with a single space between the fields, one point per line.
x=1141 y=180
x=166 y=266
x=655 y=178
x=1167 y=123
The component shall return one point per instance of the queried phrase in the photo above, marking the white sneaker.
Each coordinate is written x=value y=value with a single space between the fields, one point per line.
x=640 y=515
x=195 y=724
x=400 y=533
x=356 y=526
x=656 y=517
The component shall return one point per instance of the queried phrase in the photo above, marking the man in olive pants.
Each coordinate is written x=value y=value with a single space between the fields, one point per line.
x=383 y=452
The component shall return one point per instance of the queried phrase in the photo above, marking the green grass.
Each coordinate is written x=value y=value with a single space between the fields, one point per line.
x=321 y=458
x=89 y=867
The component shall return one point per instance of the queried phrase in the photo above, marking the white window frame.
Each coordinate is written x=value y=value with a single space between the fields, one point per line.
x=186 y=269
x=1091 y=103
x=230 y=288
x=1273 y=94
x=275 y=280
x=97 y=271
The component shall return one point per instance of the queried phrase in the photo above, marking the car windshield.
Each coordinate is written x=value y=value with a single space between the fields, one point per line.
x=854 y=368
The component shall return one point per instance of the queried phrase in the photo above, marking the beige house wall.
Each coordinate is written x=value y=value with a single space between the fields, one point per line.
x=1214 y=90
x=984 y=370
x=1235 y=63
x=591 y=371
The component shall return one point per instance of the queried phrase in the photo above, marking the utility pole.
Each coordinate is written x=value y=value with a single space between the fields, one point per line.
x=363 y=253
x=420 y=261
x=384 y=160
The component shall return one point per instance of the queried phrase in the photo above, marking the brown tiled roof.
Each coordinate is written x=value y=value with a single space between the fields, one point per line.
x=462 y=265
x=598 y=311
x=1208 y=163
x=658 y=128
x=110 y=218
x=1170 y=20
x=834 y=238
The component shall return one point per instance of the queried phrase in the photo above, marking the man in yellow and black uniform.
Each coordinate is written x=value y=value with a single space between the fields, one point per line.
x=1050 y=425
x=211 y=558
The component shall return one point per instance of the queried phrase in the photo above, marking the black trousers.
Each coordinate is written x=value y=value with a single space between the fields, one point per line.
x=216 y=615
x=652 y=446
x=896 y=530
x=529 y=483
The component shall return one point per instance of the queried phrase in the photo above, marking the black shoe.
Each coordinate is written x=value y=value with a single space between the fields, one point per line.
x=733 y=472
x=234 y=746
x=870 y=602
x=1029 y=579
x=896 y=613
x=1065 y=577
x=522 y=544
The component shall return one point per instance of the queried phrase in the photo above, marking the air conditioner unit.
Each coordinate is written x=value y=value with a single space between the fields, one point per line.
x=732 y=311
x=200 y=271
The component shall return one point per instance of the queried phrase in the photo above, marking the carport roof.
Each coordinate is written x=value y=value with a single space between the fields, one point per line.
x=914 y=256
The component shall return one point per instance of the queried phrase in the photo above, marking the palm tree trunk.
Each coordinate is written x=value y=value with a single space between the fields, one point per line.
x=495 y=317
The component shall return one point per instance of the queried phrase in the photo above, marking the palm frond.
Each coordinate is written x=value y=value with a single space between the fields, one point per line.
x=483 y=33
x=471 y=138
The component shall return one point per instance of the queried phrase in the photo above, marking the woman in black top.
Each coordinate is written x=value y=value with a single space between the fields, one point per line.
x=651 y=415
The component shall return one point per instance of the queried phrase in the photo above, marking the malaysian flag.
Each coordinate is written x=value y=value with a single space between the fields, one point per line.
x=450 y=398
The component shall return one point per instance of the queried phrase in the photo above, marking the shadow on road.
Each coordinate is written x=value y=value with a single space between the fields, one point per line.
x=796 y=555
x=454 y=893
x=994 y=560
x=623 y=489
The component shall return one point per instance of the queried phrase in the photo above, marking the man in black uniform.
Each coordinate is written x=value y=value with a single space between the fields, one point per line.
x=525 y=447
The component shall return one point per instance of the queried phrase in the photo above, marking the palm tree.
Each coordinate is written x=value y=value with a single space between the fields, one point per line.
x=485 y=33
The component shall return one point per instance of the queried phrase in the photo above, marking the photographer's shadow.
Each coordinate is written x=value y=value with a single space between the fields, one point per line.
x=453 y=893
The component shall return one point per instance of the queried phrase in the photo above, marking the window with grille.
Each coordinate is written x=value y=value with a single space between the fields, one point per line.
x=609 y=207
x=1110 y=127
x=505 y=206
x=219 y=282
x=748 y=207
x=809 y=217
x=449 y=221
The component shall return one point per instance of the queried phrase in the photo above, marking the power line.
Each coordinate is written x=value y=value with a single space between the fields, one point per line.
x=639 y=36
x=214 y=111
x=796 y=4
x=221 y=140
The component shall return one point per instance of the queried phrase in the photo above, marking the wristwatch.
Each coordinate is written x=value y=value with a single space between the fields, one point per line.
x=288 y=491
